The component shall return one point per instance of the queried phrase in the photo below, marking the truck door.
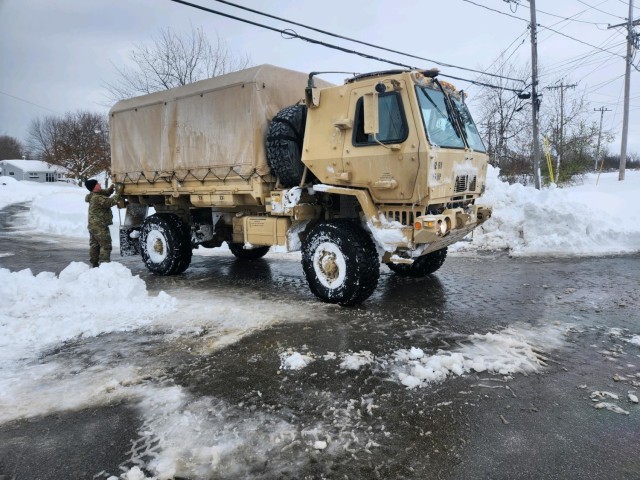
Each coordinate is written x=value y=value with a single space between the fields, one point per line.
x=386 y=162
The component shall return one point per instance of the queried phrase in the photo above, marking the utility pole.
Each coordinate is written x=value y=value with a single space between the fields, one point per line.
x=562 y=88
x=535 y=104
x=601 y=110
x=627 y=84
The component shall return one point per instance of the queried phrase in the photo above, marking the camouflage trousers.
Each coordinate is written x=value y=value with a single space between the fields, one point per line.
x=99 y=245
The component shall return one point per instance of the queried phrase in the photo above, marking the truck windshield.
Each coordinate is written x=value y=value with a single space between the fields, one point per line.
x=470 y=129
x=437 y=119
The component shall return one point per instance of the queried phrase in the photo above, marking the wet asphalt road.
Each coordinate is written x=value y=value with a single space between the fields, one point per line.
x=470 y=427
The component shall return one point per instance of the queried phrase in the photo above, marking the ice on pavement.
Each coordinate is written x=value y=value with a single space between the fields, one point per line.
x=517 y=349
x=294 y=360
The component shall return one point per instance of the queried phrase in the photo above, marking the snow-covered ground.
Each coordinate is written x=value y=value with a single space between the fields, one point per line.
x=584 y=219
x=40 y=312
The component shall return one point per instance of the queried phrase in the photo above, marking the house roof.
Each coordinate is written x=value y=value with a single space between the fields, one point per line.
x=32 y=165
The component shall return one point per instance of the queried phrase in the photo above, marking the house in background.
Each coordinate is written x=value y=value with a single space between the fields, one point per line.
x=32 y=170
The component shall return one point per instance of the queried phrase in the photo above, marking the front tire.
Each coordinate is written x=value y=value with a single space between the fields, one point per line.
x=421 y=266
x=242 y=253
x=165 y=244
x=340 y=262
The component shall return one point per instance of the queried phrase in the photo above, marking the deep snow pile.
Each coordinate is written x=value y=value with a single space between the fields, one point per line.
x=44 y=310
x=56 y=208
x=586 y=219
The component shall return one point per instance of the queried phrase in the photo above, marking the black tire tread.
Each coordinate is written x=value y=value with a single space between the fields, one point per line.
x=249 y=254
x=178 y=235
x=284 y=144
x=421 y=266
x=361 y=246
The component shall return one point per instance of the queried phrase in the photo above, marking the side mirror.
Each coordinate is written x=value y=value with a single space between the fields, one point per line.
x=371 y=118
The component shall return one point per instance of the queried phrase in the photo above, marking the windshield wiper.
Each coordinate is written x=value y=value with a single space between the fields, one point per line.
x=453 y=114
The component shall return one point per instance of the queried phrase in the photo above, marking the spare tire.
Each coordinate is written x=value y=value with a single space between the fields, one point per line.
x=284 y=144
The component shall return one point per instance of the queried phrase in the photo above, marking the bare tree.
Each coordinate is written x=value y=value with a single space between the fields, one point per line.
x=79 y=142
x=572 y=137
x=503 y=120
x=10 y=148
x=173 y=60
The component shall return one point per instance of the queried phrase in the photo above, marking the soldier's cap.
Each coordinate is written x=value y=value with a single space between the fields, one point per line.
x=90 y=184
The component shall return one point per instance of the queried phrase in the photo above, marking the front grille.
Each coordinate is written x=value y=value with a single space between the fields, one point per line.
x=463 y=184
x=403 y=216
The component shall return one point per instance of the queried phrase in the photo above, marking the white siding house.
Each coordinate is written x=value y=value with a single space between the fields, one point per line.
x=31 y=170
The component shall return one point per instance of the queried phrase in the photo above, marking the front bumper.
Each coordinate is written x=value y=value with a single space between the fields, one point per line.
x=429 y=232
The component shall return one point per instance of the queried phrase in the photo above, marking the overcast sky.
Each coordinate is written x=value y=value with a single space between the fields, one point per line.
x=55 y=56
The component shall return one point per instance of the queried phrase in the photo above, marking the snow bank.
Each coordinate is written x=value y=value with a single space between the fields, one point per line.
x=44 y=310
x=56 y=208
x=588 y=219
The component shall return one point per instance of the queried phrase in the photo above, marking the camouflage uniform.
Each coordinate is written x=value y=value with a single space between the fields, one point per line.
x=100 y=217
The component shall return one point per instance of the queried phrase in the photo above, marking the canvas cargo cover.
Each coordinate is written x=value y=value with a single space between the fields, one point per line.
x=211 y=129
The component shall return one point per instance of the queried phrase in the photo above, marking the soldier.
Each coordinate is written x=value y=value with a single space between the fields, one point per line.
x=100 y=217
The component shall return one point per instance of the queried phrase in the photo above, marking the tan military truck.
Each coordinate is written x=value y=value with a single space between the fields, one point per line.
x=386 y=168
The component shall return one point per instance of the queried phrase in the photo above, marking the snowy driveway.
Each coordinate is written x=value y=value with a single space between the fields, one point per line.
x=492 y=368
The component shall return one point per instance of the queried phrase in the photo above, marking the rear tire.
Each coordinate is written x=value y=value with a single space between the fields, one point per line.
x=165 y=245
x=421 y=266
x=340 y=262
x=284 y=144
x=247 y=253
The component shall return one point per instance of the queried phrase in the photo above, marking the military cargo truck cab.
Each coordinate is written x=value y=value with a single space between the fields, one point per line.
x=385 y=168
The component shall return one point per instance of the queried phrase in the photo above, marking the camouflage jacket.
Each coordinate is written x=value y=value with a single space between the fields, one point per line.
x=100 y=204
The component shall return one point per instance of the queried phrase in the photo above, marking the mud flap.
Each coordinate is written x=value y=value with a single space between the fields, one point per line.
x=129 y=241
x=130 y=229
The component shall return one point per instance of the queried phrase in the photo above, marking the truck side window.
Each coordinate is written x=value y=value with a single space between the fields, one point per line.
x=393 y=124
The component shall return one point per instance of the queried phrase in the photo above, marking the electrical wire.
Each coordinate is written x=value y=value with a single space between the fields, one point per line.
x=27 y=101
x=497 y=11
x=626 y=4
x=569 y=19
x=526 y=32
x=601 y=11
x=577 y=40
x=342 y=37
x=288 y=33
x=575 y=63
x=539 y=25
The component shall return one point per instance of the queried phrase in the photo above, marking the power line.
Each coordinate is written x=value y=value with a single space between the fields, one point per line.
x=626 y=4
x=497 y=11
x=577 y=63
x=606 y=43
x=601 y=11
x=324 y=32
x=578 y=40
x=569 y=19
x=539 y=25
x=288 y=33
x=27 y=101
